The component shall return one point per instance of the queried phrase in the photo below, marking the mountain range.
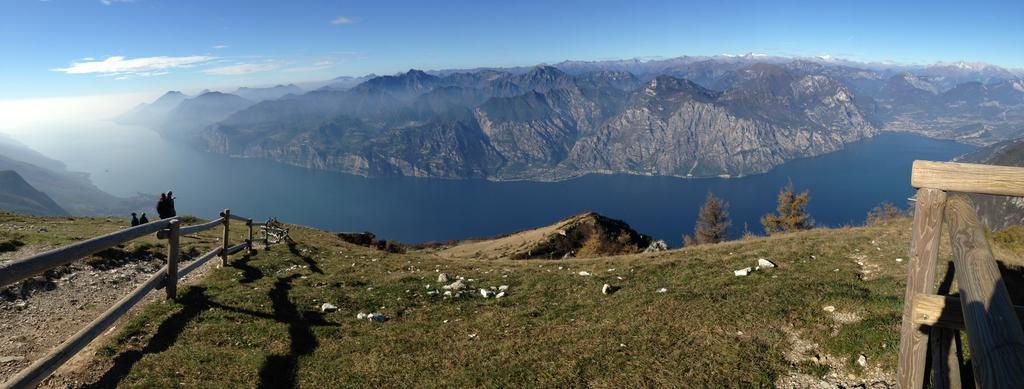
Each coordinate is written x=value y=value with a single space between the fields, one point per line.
x=687 y=116
x=17 y=195
x=50 y=189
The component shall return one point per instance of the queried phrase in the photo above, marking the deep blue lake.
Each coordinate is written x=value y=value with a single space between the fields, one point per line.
x=128 y=160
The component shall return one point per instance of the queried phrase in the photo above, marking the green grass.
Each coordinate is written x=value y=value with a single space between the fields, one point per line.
x=257 y=321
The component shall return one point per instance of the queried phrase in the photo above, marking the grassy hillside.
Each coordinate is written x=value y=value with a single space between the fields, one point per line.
x=259 y=322
x=16 y=195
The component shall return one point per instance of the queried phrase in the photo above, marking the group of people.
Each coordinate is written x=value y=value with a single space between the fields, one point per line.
x=164 y=208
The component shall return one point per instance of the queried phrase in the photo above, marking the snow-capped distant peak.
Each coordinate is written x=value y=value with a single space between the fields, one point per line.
x=1018 y=85
x=963 y=65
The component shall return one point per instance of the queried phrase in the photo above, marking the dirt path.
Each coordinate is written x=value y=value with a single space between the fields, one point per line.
x=38 y=314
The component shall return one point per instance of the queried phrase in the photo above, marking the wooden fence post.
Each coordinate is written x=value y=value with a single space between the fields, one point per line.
x=173 y=252
x=224 y=251
x=924 y=249
x=994 y=334
x=249 y=241
x=266 y=236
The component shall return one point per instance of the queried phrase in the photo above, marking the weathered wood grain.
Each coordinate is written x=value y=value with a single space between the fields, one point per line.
x=226 y=216
x=945 y=311
x=924 y=249
x=968 y=178
x=994 y=334
x=173 y=250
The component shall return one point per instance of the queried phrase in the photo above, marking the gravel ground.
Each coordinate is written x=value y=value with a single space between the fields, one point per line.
x=38 y=314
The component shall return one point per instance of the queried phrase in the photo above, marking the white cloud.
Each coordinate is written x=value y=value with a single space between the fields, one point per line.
x=121 y=66
x=243 y=68
x=109 y=2
x=220 y=46
x=342 y=20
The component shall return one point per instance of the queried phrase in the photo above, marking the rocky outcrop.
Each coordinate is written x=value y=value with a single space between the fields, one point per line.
x=585 y=235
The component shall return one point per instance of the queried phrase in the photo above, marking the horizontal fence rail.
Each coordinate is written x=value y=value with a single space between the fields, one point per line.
x=945 y=311
x=21 y=269
x=166 y=277
x=968 y=178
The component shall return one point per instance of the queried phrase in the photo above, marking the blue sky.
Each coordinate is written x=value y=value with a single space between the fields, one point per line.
x=61 y=48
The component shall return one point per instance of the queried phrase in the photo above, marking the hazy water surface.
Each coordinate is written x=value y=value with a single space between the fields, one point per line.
x=126 y=160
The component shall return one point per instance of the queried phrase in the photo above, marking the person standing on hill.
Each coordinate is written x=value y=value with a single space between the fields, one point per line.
x=135 y=220
x=161 y=206
x=170 y=205
x=143 y=219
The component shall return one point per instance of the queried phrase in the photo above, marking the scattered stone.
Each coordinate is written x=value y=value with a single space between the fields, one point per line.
x=584 y=273
x=457 y=285
x=829 y=308
x=472 y=336
x=656 y=246
x=328 y=307
x=447 y=293
x=442 y=278
x=899 y=259
x=503 y=288
x=486 y=293
x=361 y=316
x=862 y=360
x=663 y=290
x=500 y=295
x=11 y=359
x=764 y=263
x=377 y=317
x=742 y=272
x=433 y=292
x=608 y=289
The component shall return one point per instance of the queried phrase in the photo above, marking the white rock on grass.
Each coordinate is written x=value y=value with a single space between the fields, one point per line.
x=486 y=293
x=899 y=259
x=584 y=273
x=503 y=288
x=500 y=295
x=862 y=360
x=742 y=272
x=829 y=308
x=608 y=289
x=457 y=285
x=663 y=290
x=328 y=307
x=361 y=316
x=442 y=278
x=764 y=263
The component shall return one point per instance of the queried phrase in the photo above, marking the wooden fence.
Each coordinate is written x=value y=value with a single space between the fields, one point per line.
x=167 y=277
x=931 y=322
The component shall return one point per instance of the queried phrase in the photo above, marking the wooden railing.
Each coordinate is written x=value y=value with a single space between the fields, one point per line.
x=167 y=277
x=983 y=308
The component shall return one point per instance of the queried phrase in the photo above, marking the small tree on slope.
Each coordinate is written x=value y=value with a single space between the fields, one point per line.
x=791 y=212
x=712 y=221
